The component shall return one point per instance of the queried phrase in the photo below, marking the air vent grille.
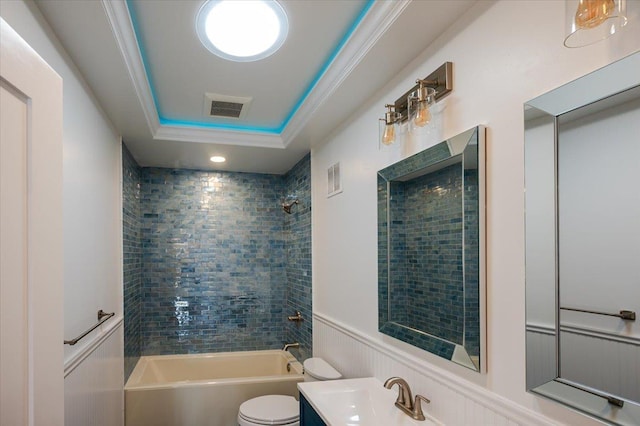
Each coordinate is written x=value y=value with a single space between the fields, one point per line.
x=223 y=106
x=225 y=109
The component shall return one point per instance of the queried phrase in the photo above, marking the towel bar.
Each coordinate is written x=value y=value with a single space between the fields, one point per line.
x=102 y=317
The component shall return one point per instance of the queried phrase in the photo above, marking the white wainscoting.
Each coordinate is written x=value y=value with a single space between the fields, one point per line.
x=454 y=401
x=541 y=355
x=93 y=383
x=605 y=361
x=602 y=362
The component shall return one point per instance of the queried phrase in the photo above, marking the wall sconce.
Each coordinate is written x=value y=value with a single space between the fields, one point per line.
x=415 y=104
x=589 y=21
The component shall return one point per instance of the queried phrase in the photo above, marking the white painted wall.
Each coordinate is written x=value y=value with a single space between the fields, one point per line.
x=598 y=211
x=504 y=53
x=91 y=193
x=92 y=224
x=540 y=228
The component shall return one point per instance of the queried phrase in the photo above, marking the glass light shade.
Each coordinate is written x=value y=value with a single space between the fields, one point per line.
x=589 y=21
x=389 y=133
x=419 y=104
x=388 y=127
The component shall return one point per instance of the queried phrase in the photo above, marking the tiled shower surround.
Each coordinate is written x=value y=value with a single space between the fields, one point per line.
x=222 y=264
x=297 y=233
x=132 y=259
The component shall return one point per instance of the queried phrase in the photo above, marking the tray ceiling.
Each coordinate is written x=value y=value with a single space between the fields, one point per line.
x=150 y=73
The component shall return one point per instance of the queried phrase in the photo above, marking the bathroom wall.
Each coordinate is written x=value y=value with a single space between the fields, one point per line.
x=222 y=265
x=297 y=236
x=502 y=56
x=131 y=259
x=91 y=226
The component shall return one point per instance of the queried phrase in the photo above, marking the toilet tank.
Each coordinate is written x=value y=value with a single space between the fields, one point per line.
x=317 y=369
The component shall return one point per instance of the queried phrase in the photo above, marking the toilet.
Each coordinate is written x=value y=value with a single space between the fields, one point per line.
x=283 y=410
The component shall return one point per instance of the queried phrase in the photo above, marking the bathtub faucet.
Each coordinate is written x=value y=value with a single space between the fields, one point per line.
x=290 y=345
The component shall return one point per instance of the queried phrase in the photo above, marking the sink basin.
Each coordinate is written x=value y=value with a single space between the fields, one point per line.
x=359 y=402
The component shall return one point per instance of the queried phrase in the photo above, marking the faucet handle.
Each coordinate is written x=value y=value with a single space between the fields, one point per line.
x=417 y=407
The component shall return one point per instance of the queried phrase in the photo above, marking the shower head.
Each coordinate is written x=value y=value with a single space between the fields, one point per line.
x=287 y=206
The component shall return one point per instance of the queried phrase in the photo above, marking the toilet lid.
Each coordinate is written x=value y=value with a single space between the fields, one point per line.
x=271 y=409
x=320 y=369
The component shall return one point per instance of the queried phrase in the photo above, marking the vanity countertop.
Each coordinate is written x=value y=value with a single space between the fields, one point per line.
x=359 y=402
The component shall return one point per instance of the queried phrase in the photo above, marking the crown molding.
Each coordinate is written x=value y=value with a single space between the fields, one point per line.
x=219 y=137
x=373 y=25
x=122 y=29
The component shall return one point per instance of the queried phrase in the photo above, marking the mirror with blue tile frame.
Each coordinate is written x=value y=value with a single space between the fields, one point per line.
x=431 y=227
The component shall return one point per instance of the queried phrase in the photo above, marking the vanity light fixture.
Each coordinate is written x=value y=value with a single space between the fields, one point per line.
x=217 y=159
x=589 y=21
x=416 y=103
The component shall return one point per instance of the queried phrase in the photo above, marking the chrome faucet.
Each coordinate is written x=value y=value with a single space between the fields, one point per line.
x=404 y=400
x=290 y=345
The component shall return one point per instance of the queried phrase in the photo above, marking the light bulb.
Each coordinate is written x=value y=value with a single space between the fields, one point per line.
x=389 y=134
x=423 y=115
x=592 y=13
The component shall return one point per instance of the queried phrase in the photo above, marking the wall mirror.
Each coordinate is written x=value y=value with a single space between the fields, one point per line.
x=582 y=204
x=431 y=216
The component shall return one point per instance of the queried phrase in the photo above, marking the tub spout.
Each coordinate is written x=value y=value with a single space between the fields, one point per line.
x=290 y=345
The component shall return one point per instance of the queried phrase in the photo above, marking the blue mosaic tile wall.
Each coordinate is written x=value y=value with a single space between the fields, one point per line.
x=214 y=277
x=297 y=235
x=212 y=263
x=132 y=259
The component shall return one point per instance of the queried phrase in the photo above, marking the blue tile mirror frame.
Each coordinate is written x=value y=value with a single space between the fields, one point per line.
x=582 y=226
x=431 y=249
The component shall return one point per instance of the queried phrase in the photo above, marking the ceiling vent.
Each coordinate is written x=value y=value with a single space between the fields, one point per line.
x=222 y=106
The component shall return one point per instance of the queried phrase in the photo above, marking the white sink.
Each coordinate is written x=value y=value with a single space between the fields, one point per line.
x=359 y=402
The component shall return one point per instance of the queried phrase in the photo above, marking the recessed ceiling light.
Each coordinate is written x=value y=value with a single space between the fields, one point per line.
x=242 y=31
x=218 y=159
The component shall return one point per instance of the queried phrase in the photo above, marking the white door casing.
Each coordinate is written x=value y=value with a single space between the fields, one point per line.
x=31 y=244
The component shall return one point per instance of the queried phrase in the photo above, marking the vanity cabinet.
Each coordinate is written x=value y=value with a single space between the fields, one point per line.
x=308 y=416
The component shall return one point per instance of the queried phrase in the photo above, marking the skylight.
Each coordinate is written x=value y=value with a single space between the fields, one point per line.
x=242 y=31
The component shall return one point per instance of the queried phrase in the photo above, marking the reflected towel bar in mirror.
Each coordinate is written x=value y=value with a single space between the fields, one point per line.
x=624 y=314
x=102 y=317
x=610 y=399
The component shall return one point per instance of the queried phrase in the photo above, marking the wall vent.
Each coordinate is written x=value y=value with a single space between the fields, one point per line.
x=223 y=106
x=334 y=182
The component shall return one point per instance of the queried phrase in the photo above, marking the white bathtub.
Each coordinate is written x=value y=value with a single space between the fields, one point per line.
x=205 y=389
